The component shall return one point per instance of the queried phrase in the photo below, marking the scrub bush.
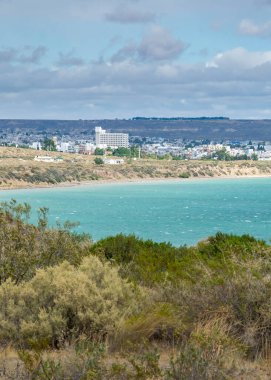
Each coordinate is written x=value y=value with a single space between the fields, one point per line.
x=62 y=302
x=25 y=247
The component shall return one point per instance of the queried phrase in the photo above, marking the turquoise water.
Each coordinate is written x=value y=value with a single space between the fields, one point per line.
x=179 y=212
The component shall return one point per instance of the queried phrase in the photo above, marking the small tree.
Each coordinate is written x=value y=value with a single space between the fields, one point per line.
x=122 y=152
x=99 y=152
x=134 y=151
x=98 y=161
x=222 y=155
x=49 y=144
x=254 y=157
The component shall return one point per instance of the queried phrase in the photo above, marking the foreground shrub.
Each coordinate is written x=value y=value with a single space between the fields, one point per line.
x=210 y=302
x=209 y=353
x=144 y=261
x=158 y=321
x=25 y=247
x=63 y=302
x=244 y=299
x=154 y=263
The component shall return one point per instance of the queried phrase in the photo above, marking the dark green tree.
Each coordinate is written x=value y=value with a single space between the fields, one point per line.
x=134 y=151
x=222 y=155
x=98 y=161
x=122 y=152
x=49 y=144
x=99 y=152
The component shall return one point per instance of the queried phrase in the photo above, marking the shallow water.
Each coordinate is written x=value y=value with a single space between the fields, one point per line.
x=179 y=212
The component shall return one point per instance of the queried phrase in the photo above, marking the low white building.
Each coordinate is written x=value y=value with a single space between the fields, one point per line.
x=65 y=147
x=264 y=156
x=113 y=161
x=48 y=159
x=44 y=159
x=86 y=148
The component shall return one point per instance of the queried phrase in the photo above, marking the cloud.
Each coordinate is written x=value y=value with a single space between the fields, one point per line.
x=235 y=83
x=8 y=55
x=144 y=74
x=129 y=15
x=67 y=10
x=129 y=51
x=240 y=58
x=69 y=60
x=159 y=44
x=32 y=55
x=156 y=45
x=25 y=55
x=249 y=28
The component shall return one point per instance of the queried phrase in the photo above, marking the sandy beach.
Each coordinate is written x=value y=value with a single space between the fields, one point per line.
x=104 y=182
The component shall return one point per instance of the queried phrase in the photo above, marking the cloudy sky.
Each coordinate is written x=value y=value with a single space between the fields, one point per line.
x=89 y=59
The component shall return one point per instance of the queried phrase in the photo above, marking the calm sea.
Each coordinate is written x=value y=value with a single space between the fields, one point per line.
x=179 y=212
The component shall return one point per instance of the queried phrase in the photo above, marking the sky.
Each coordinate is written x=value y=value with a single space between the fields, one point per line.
x=97 y=59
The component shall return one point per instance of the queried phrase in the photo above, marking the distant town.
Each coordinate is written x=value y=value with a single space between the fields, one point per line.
x=101 y=142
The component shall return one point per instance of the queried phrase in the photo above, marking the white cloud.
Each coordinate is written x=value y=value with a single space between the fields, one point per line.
x=167 y=71
x=240 y=58
x=239 y=84
x=250 y=28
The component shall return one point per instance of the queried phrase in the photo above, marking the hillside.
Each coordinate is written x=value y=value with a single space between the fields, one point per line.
x=18 y=169
x=205 y=128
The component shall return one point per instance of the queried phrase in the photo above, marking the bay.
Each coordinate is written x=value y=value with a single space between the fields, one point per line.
x=180 y=212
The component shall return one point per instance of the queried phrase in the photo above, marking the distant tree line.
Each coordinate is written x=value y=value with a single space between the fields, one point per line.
x=119 y=152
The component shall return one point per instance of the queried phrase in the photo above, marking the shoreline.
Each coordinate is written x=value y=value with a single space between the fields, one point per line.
x=104 y=182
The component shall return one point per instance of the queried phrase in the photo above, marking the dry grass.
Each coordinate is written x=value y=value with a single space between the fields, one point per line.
x=74 y=366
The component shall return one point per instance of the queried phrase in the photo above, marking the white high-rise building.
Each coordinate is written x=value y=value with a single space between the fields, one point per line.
x=105 y=139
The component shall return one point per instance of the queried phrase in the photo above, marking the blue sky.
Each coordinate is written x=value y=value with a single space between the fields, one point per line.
x=90 y=59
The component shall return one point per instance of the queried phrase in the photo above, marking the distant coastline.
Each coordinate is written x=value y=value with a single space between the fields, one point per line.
x=103 y=182
x=19 y=170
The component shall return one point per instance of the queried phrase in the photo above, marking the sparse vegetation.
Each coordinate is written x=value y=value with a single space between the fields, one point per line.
x=79 y=168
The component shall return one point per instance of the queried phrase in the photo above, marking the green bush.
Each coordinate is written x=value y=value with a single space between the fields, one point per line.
x=62 y=302
x=185 y=175
x=25 y=247
x=99 y=152
x=246 y=308
x=98 y=161
x=143 y=261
